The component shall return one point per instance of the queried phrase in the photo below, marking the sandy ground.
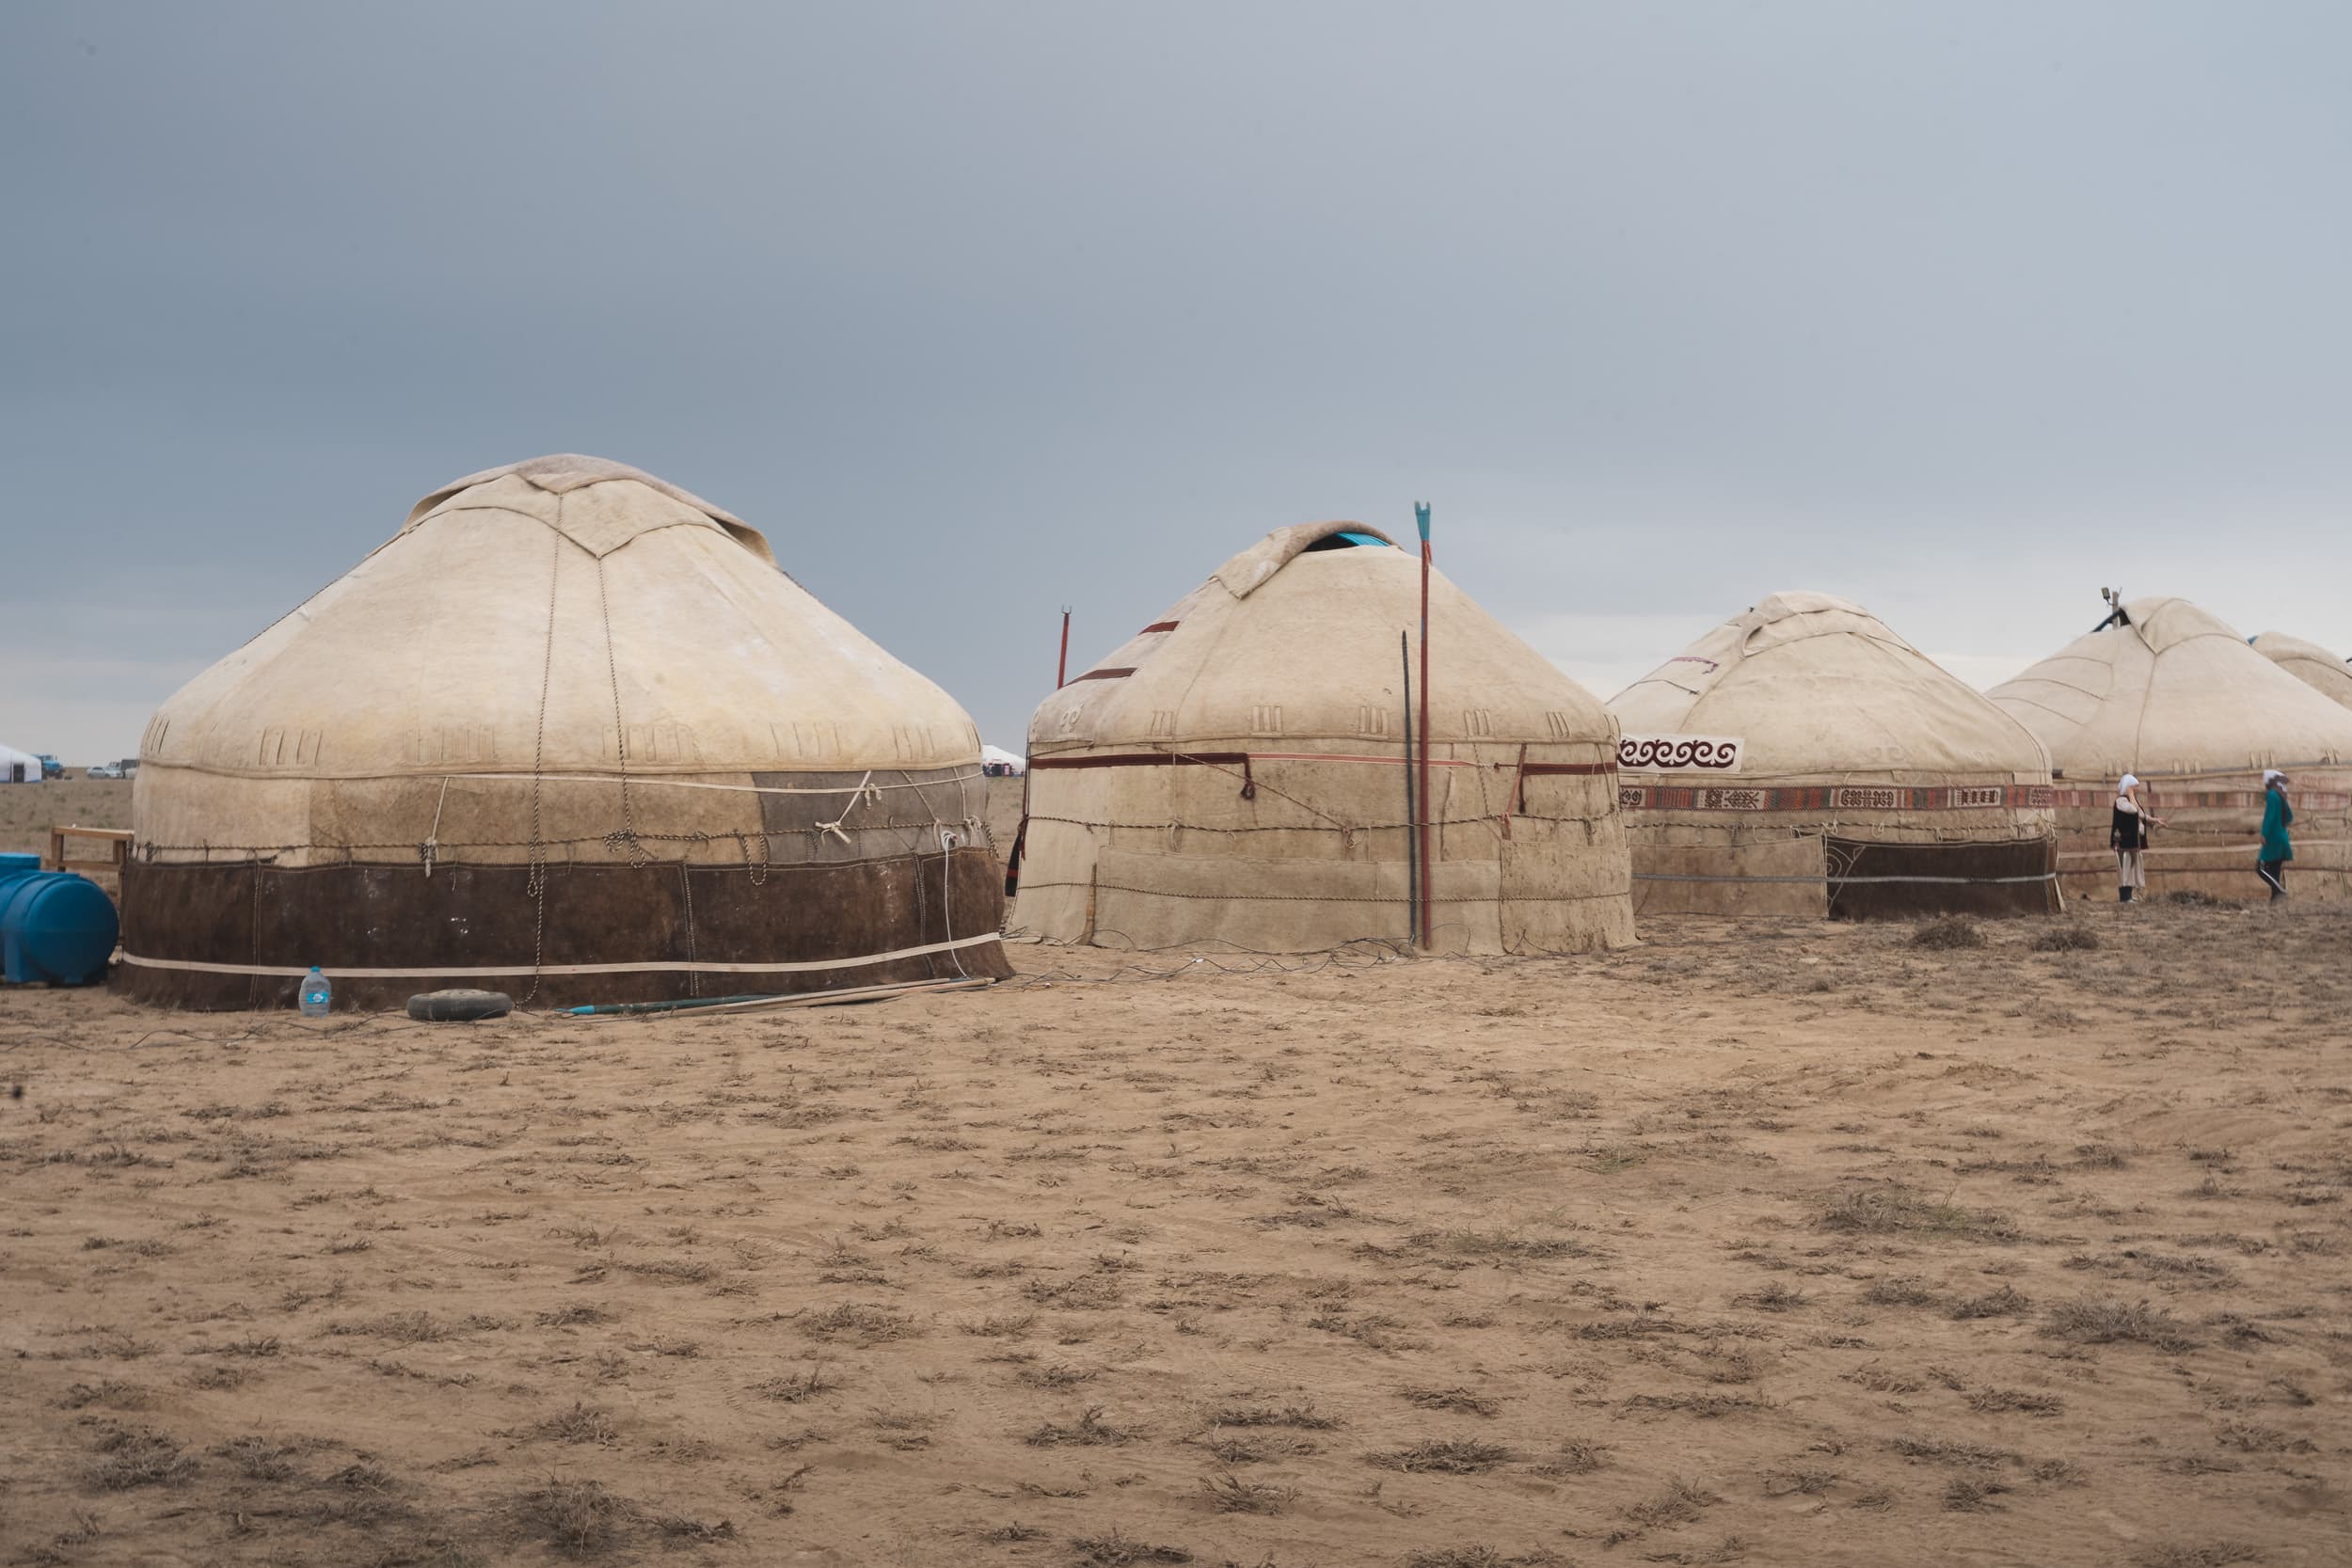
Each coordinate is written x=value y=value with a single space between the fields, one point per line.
x=28 y=812
x=1783 y=1243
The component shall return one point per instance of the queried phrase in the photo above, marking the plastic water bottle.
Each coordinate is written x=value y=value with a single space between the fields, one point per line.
x=317 y=992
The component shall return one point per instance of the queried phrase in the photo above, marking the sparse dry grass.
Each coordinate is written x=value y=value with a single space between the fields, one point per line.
x=578 y=1518
x=1115 y=1548
x=1447 y=1456
x=1888 y=1211
x=1456 y=1399
x=129 y=1457
x=1091 y=1429
x=1681 y=1503
x=2216 y=1554
x=1946 y=934
x=2094 y=1321
x=1230 y=1493
x=1422 y=1263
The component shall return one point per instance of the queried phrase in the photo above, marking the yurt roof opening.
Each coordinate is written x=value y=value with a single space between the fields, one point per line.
x=1239 y=771
x=1803 y=759
x=569 y=733
x=2172 y=694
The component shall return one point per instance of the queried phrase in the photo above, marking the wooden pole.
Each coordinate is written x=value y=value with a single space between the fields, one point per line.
x=1412 y=854
x=1428 y=867
x=1061 y=670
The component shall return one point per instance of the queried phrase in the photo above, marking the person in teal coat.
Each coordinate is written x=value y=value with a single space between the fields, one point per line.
x=2276 y=847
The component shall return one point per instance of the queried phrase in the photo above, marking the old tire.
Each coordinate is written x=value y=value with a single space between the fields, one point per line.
x=459 y=1007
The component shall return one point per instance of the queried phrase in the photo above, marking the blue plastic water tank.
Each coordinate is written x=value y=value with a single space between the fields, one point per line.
x=56 y=928
x=19 y=863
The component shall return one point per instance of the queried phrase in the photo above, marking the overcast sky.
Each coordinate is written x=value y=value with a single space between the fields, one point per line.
x=1963 y=310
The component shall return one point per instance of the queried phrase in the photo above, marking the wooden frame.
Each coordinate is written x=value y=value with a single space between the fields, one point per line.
x=118 y=842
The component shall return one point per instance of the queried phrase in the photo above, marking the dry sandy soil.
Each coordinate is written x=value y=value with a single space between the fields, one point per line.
x=28 y=812
x=1782 y=1243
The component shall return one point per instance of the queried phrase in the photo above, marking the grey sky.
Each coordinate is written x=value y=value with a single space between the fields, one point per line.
x=1961 y=310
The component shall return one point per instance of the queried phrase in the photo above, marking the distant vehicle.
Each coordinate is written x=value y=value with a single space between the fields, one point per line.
x=105 y=770
x=50 y=767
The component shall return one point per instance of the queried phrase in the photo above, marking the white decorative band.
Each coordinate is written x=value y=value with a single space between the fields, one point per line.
x=1674 y=753
x=656 y=966
x=659 y=781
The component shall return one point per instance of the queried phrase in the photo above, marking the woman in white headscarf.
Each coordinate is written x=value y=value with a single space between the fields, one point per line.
x=2129 y=837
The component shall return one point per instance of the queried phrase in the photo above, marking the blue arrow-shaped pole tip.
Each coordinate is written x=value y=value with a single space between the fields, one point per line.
x=1421 y=519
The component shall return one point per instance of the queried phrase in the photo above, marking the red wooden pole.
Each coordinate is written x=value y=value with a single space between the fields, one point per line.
x=1428 y=867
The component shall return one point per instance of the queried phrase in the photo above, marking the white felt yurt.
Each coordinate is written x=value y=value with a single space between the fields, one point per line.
x=1803 y=759
x=2166 y=691
x=569 y=733
x=17 y=766
x=1238 y=772
x=2307 y=662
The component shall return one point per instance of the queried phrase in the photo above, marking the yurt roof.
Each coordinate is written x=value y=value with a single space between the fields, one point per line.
x=564 y=613
x=560 y=474
x=2170 y=688
x=1297 y=635
x=2307 y=662
x=1811 y=684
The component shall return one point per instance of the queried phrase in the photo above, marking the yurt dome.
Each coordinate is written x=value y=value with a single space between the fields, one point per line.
x=2169 y=693
x=1237 y=772
x=1803 y=759
x=2310 y=663
x=571 y=733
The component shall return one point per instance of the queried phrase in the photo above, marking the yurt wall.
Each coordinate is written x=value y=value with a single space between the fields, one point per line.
x=1236 y=772
x=571 y=733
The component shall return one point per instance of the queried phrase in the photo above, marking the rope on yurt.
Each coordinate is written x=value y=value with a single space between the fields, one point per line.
x=856 y=795
x=626 y=838
x=430 y=849
x=685 y=880
x=655 y=780
x=1294 y=828
x=1335 y=898
x=535 y=879
x=265 y=852
x=759 y=873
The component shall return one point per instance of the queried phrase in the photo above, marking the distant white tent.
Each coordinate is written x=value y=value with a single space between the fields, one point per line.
x=17 y=766
x=996 y=759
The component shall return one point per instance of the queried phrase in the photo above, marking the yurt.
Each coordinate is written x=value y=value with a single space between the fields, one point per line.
x=2169 y=693
x=2310 y=663
x=1802 y=759
x=1245 y=770
x=570 y=734
x=19 y=766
